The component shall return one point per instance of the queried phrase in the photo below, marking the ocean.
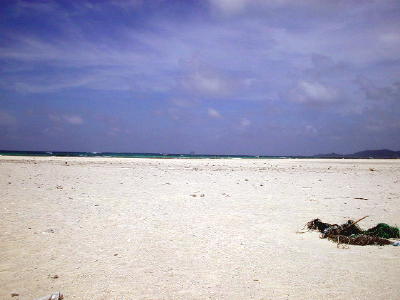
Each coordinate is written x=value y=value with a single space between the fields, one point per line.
x=131 y=155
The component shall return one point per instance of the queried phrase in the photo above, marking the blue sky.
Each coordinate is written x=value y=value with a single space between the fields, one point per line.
x=276 y=77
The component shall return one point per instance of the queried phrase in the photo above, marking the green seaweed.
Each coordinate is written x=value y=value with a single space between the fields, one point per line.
x=383 y=230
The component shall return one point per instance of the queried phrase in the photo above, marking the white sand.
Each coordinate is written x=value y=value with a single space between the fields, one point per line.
x=130 y=229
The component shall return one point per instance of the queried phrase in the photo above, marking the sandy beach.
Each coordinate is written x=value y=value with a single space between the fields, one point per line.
x=113 y=228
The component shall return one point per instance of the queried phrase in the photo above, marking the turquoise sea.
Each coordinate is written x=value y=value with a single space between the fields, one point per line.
x=132 y=155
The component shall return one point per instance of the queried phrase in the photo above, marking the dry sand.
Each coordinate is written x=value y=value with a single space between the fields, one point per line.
x=114 y=228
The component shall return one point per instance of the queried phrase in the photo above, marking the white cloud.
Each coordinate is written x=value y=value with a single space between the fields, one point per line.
x=311 y=130
x=206 y=83
x=309 y=92
x=70 y=119
x=179 y=102
x=317 y=91
x=229 y=6
x=201 y=78
x=245 y=123
x=214 y=113
x=73 y=119
x=36 y=6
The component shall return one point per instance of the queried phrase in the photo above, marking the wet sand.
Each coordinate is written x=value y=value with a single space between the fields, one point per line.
x=113 y=228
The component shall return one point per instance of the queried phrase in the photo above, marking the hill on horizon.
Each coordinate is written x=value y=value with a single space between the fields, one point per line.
x=381 y=153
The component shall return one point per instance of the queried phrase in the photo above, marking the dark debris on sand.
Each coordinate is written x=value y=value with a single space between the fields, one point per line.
x=350 y=233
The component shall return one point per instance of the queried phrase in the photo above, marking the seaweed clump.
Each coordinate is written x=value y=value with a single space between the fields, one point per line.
x=384 y=230
x=350 y=233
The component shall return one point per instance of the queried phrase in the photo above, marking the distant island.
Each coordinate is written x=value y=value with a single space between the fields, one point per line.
x=384 y=153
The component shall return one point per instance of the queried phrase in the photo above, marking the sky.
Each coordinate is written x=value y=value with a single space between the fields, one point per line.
x=257 y=77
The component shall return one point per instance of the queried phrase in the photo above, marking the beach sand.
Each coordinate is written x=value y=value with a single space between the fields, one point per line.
x=112 y=228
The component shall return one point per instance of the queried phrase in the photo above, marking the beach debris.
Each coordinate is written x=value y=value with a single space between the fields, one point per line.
x=196 y=194
x=372 y=169
x=59 y=187
x=53 y=276
x=55 y=296
x=350 y=233
x=14 y=294
x=360 y=198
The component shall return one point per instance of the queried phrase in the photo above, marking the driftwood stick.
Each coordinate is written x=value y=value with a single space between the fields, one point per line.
x=354 y=223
